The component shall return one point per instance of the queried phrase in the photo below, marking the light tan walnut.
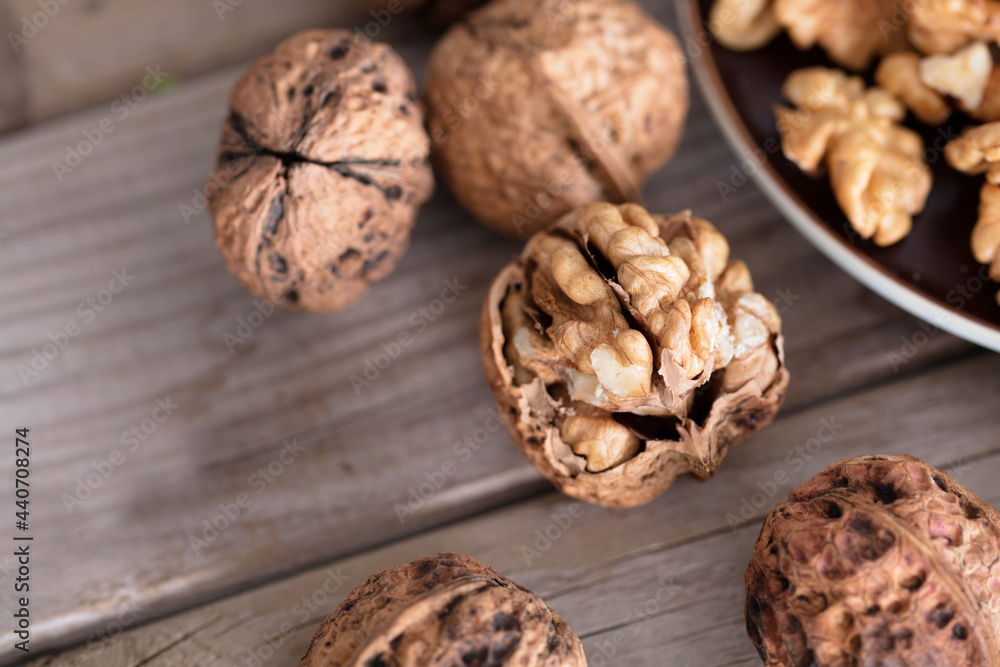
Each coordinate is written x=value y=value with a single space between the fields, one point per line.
x=626 y=349
x=441 y=611
x=743 y=25
x=539 y=106
x=899 y=73
x=876 y=166
x=877 y=560
x=977 y=151
x=852 y=32
x=944 y=26
x=322 y=166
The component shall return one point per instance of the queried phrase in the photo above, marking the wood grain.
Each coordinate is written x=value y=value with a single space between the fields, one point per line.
x=78 y=53
x=666 y=576
x=127 y=545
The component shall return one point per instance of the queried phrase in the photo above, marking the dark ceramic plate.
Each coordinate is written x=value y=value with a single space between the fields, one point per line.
x=931 y=273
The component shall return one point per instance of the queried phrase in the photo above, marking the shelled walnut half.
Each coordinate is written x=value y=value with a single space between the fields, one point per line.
x=626 y=349
x=441 y=611
x=878 y=560
x=977 y=151
x=944 y=26
x=876 y=166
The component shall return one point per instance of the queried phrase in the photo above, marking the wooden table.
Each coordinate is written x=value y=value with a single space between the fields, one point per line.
x=127 y=568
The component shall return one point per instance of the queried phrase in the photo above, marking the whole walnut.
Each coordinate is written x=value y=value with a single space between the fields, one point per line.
x=321 y=169
x=878 y=560
x=627 y=349
x=440 y=611
x=539 y=106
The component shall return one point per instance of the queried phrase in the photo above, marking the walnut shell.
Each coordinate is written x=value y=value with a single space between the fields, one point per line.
x=539 y=106
x=443 y=610
x=626 y=349
x=321 y=169
x=878 y=560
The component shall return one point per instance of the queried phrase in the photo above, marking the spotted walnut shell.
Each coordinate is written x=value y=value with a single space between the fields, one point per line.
x=878 y=560
x=627 y=349
x=536 y=107
x=441 y=611
x=322 y=167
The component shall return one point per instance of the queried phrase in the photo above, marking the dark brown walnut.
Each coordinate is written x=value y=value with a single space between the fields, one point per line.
x=627 y=349
x=878 y=560
x=443 y=610
x=322 y=167
x=436 y=14
x=539 y=106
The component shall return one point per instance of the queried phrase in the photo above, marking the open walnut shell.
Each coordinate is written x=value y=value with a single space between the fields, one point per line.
x=440 y=611
x=878 y=560
x=627 y=349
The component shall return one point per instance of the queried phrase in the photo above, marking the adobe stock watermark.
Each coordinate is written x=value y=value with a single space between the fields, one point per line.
x=131 y=440
x=463 y=451
x=304 y=609
x=247 y=325
x=419 y=320
x=87 y=310
x=635 y=619
x=120 y=109
x=795 y=460
x=32 y=24
x=258 y=481
x=559 y=523
x=958 y=297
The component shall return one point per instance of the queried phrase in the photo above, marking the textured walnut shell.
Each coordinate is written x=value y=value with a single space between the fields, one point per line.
x=689 y=407
x=441 y=611
x=539 y=106
x=878 y=560
x=322 y=167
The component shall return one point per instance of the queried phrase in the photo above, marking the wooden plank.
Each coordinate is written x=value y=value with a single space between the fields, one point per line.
x=69 y=55
x=162 y=338
x=668 y=575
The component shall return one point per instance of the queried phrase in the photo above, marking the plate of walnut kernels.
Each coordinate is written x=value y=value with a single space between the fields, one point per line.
x=869 y=124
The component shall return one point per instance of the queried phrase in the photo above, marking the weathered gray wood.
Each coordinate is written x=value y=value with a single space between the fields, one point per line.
x=129 y=544
x=668 y=576
x=67 y=55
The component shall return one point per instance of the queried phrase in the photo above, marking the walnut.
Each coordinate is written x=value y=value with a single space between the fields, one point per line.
x=899 y=73
x=976 y=151
x=627 y=349
x=929 y=85
x=962 y=75
x=743 y=25
x=878 y=560
x=989 y=109
x=851 y=31
x=322 y=166
x=539 y=106
x=443 y=610
x=876 y=166
x=944 y=26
